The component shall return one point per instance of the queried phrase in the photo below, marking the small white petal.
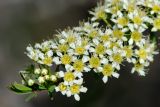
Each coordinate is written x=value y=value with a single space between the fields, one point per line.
x=130 y=41
x=83 y=89
x=104 y=61
x=59 y=54
x=141 y=73
x=72 y=45
x=41 y=55
x=68 y=93
x=57 y=89
x=131 y=27
x=109 y=52
x=133 y=60
x=100 y=69
x=154 y=29
x=92 y=50
x=96 y=41
x=79 y=81
x=63 y=92
x=115 y=74
x=62 y=41
x=86 y=69
x=66 y=83
x=77 y=97
x=61 y=74
x=79 y=74
x=118 y=67
x=56 y=60
x=50 y=53
x=105 y=79
x=141 y=61
x=85 y=58
x=68 y=67
x=133 y=70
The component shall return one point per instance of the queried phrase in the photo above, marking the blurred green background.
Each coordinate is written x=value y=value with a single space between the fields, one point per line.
x=24 y=22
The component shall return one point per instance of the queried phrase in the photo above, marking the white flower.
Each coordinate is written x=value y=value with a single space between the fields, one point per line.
x=114 y=74
x=138 y=19
x=108 y=71
x=98 y=13
x=138 y=68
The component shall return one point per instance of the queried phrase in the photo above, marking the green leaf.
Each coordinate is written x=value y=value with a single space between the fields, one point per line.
x=12 y=88
x=51 y=88
x=31 y=96
x=41 y=87
x=50 y=91
x=22 y=88
x=17 y=91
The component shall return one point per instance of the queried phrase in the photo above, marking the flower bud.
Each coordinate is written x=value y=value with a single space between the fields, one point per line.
x=37 y=71
x=46 y=77
x=30 y=82
x=53 y=78
x=44 y=72
x=41 y=80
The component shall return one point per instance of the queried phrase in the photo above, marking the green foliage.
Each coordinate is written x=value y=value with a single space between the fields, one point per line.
x=31 y=96
x=50 y=91
x=20 y=89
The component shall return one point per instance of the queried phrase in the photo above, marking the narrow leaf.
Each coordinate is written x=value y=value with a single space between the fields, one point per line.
x=22 y=87
x=31 y=96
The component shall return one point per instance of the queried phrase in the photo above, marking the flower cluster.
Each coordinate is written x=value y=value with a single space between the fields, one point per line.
x=119 y=31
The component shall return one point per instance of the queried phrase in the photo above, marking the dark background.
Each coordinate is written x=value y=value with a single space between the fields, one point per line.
x=24 y=22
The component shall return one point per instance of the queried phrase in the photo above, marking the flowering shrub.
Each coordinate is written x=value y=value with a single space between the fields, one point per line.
x=119 y=31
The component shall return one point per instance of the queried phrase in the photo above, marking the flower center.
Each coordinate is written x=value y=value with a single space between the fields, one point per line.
x=142 y=53
x=69 y=76
x=66 y=59
x=100 y=49
x=62 y=87
x=128 y=51
x=131 y=7
x=138 y=66
x=107 y=70
x=136 y=36
x=123 y=21
x=104 y=38
x=118 y=34
x=63 y=48
x=94 y=62
x=115 y=9
x=113 y=44
x=137 y=20
x=93 y=34
x=80 y=50
x=157 y=23
x=71 y=39
x=75 y=89
x=101 y=14
x=47 y=60
x=78 y=65
x=117 y=58
x=156 y=8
